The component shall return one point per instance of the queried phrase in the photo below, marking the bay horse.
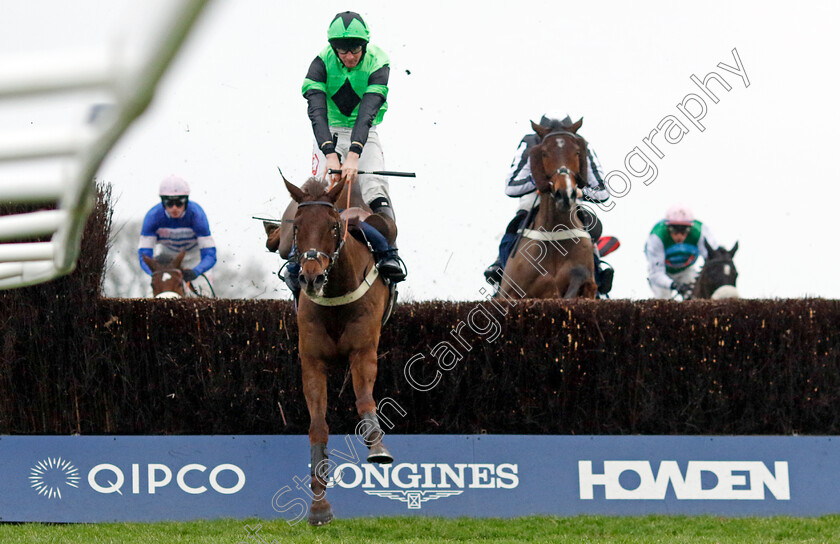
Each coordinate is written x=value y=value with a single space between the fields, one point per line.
x=718 y=277
x=554 y=257
x=167 y=279
x=339 y=319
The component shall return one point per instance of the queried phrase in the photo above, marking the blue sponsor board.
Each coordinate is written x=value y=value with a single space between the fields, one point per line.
x=145 y=478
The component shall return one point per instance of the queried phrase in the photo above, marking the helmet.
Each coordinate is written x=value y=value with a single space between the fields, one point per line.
x=174 y=186
x=346 y=25
x=556 y=121
x=679 y=214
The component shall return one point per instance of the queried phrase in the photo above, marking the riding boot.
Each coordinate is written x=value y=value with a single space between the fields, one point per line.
x=603 y=274
x=388 y=262
x=493 y=274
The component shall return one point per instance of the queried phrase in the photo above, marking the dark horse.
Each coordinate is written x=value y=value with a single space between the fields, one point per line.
x=339 y=319
x=167 y=279
x=718 y=276
x=554 y=257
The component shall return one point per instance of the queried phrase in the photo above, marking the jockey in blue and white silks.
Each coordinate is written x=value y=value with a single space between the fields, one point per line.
x=176 y=225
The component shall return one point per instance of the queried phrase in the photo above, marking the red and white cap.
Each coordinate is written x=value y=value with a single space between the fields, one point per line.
x=174 y=186
x=679 y=214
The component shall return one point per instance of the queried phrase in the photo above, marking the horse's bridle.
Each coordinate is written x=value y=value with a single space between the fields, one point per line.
x=579 y=181
x=565 y=170
x=313 y=254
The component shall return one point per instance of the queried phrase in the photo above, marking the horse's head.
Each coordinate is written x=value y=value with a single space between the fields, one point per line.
x=720 y=273
x=317 y=232
x=558 y=162
x=167 y=279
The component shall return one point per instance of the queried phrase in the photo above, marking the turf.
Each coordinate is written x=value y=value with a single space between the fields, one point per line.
x=648 y=529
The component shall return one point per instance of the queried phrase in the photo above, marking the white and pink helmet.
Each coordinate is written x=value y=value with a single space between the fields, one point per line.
x=174 y=186
x=679 y=214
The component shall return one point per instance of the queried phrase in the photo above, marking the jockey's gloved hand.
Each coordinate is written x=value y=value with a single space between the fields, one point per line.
x=189 y=274
x=682 y=288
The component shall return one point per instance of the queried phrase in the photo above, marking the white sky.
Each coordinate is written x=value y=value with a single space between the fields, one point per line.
x=466 y=78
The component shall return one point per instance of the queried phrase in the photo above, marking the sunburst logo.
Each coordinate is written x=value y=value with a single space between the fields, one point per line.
x=48 y=476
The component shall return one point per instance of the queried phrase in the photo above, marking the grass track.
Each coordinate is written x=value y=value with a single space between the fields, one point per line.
x=648 y=529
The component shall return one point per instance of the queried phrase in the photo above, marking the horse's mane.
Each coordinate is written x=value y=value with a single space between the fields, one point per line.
x=314 y=187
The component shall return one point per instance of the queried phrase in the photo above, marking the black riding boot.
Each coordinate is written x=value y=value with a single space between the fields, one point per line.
x=388 y=262
x=603 y=274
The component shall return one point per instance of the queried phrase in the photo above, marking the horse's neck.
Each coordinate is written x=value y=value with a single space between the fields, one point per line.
x=356 y=200
x=550 y=215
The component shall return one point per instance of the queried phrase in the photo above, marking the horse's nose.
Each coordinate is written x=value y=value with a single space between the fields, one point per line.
x=563 y=197
x=312 y=282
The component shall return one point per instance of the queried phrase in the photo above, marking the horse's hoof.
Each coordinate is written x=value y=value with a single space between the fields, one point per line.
x=379 y=454
x=320 y=516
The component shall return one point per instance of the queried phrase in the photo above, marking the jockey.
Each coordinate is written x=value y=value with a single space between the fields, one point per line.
x=672 y=250
x=520 y=184
x=177 y=225
x=346 y=89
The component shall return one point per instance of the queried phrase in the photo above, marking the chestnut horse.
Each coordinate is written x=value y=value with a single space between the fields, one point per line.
x=718 y=276
x=339 y=318
x=167 y=279
x=554 y=257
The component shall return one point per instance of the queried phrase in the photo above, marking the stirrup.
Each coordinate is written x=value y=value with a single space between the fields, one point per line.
x=395 y=270
x=290 y=280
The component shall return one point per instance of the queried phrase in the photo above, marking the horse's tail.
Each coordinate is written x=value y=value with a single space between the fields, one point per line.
x=578 y=275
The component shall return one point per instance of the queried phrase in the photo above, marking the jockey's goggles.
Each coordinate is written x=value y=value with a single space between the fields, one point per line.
x=170 y=201
x=679 y=229
x=355 y=50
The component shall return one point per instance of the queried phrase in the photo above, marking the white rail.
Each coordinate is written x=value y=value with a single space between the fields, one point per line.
x=71 y=190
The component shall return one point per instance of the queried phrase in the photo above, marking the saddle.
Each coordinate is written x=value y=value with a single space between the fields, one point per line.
x=278 y=236
x=384 y=225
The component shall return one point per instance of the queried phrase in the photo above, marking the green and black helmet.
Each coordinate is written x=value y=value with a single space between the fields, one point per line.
x=348 y=30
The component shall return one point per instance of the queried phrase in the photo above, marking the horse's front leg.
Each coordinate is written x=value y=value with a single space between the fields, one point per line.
x=315 y=390
x=363 y=367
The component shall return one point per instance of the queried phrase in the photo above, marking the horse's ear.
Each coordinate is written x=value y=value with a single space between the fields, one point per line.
x=574 y=128
x=176 y=262
x=733 y=250
x=541 y=131
x=151 y=263
x=333 y=193
x=709 y=248
x=297 y=194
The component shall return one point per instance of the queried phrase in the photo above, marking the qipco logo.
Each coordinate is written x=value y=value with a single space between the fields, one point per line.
x=194 y=478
